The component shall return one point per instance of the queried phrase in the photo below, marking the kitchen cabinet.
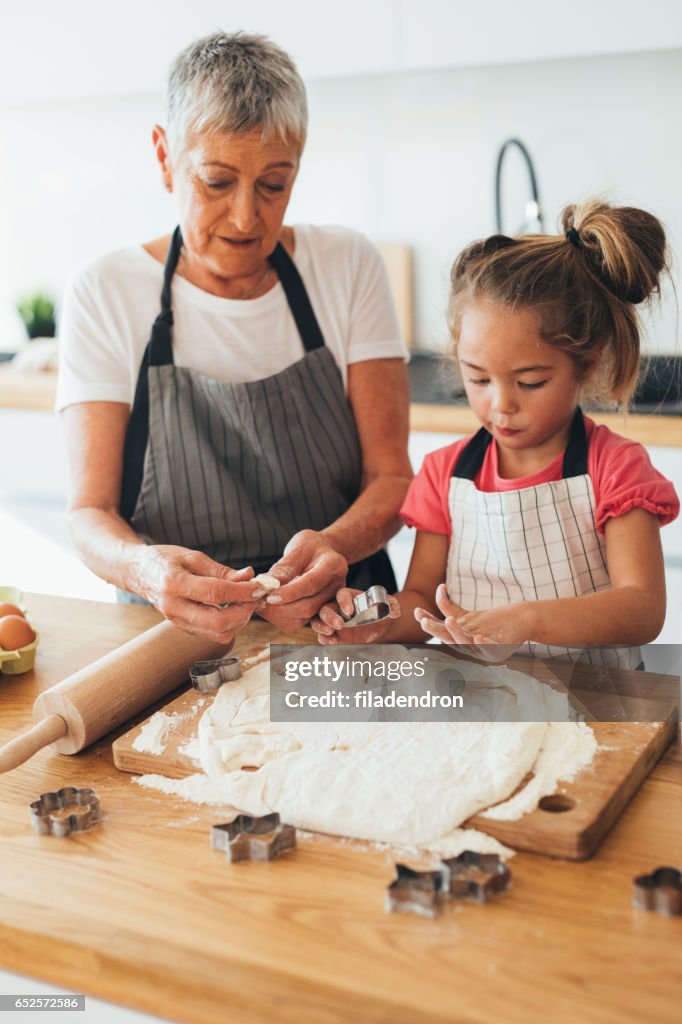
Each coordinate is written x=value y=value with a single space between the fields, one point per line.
x=441 y=34
x=68 y=58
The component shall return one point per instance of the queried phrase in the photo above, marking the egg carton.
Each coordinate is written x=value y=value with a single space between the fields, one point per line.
x=13 y=663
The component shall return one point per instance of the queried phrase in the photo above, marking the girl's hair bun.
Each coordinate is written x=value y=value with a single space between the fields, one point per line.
x=624 y=247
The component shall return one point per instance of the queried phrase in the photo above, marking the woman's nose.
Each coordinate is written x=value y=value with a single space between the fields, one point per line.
x=243 y=213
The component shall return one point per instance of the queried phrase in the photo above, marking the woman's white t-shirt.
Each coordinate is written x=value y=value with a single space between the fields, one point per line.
x=110 y=306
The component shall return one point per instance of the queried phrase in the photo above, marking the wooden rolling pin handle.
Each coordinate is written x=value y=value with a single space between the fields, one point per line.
x=17 y=751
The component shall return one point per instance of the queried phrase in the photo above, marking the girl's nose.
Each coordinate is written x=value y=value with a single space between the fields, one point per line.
x=505 y=401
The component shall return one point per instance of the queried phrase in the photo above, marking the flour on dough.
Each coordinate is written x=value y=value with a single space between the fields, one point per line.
x=402 y=783
x=266 y=581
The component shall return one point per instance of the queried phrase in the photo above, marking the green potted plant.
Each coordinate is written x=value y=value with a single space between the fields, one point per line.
x=38 y=313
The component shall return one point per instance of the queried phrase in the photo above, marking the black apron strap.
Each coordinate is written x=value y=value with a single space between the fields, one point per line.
x=297 y=297
x=159 y=352
x=575 y=456
x=471 y=456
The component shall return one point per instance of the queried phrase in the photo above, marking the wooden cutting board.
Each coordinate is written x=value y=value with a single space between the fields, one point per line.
x=570 y=824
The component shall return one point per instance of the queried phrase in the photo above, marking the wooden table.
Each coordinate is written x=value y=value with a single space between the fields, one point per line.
x=142 y=912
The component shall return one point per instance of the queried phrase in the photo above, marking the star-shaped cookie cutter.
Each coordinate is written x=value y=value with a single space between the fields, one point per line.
x=478 y=876
x=48 y=817
x=251 y=838
x=660 y=891
x=370 y=606
x=207 y=676
x=416 y=892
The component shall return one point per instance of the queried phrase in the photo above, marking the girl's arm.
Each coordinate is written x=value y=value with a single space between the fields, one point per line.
x=427 y=570
x=631 y=611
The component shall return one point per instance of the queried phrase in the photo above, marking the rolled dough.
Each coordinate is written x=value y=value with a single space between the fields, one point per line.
x=406 y=783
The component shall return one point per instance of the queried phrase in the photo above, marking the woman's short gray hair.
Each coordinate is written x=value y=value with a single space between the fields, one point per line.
x=235 y=83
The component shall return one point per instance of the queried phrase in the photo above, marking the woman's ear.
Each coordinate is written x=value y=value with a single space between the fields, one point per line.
x=162 y=151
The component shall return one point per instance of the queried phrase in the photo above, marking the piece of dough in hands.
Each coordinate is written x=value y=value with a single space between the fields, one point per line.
x=266 y=581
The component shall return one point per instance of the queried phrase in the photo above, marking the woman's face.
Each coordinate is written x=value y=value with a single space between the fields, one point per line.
x=232 y=191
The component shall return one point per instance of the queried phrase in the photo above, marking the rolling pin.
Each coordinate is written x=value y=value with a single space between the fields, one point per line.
x=98 y=698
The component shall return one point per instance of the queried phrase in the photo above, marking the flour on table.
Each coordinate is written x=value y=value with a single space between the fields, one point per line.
x=154 y=733
x=401 y=783
x=152 y=738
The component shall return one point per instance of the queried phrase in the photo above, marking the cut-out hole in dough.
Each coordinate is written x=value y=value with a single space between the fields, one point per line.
x=557 y=803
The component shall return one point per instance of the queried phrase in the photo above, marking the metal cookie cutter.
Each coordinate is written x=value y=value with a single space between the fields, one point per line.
x=370 y=606
x=210 y=675
x=660 y=891
x=478 y=876
x=48 y=817
x=249 y=838
x=416 y=892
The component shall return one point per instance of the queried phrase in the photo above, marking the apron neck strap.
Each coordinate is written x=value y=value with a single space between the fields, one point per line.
x=575 y=457
x=161 y=342
x=160 y=348
x=297 y=298
x=472 y=455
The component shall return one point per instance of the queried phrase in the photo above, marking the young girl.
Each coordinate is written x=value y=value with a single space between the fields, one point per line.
x=544 y=526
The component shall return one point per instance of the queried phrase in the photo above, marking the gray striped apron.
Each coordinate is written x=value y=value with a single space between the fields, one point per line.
x=536 y=543
x=235 y=469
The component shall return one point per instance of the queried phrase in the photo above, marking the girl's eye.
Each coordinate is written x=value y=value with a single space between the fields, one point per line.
x=483 y=380
x=536 y=384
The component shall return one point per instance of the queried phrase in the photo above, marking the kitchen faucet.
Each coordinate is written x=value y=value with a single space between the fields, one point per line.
x=534 y=219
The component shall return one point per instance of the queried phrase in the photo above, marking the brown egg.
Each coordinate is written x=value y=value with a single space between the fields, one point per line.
x=10 y=609
x=15 y=632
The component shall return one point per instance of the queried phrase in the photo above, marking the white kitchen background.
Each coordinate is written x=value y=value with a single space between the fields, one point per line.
x=409 y=103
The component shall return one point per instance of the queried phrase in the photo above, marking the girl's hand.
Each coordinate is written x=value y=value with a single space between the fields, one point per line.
x=510 y=624
x=465 y=631
x=329 y=624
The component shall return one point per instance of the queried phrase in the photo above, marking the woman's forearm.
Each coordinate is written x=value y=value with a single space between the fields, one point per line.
x=107 y=545
x=624 y=615
x=370 y=521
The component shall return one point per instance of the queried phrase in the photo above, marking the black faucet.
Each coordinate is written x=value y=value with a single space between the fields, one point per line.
x=534 y=218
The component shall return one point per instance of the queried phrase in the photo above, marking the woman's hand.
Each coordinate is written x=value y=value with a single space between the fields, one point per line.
x=491 y=635
x=330 y=622
x=190 y=589
x=310 y=572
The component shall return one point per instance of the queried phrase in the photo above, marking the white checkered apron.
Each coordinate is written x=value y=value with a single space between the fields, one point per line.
x=534 y=544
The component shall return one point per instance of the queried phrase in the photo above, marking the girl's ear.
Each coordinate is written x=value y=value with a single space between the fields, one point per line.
x=162 y=151
x=589 y=369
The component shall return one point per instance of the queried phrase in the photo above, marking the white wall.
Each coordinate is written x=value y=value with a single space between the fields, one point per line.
x=403 y=156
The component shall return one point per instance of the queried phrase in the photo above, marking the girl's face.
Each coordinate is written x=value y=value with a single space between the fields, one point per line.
x=523 y=390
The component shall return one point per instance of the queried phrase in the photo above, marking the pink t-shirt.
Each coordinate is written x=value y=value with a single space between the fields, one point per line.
x=621 y=473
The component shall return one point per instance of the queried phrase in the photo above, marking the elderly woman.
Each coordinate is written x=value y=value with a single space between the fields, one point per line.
x=234 y=395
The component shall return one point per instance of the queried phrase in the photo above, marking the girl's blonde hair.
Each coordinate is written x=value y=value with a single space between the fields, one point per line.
x=583 y=285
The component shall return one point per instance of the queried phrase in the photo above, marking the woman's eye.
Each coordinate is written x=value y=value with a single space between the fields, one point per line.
x=533 y=386
x=217 y=184
x=272 y=187
x=482 y=380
